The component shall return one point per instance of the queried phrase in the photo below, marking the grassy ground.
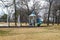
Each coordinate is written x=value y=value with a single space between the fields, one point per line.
x=33 y=33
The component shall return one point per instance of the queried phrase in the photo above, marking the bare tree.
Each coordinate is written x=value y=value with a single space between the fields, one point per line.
x=23 y=4
x=7 y=6
x=50 y=2
x=15 y=12
x=55 y=7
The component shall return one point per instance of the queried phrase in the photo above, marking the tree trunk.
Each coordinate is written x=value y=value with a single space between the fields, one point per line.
x=18 y=20
x=15 y=13
x=53 y=19
x=49 y=12
x=8 y=17
x=48 y=15
x=57 y=20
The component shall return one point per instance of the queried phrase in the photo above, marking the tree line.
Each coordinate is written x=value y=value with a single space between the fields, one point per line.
x=22 y=10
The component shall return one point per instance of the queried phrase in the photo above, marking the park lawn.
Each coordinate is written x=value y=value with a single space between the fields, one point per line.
x=33 y=33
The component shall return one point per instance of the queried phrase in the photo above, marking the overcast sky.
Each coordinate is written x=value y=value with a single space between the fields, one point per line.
x=43 y=3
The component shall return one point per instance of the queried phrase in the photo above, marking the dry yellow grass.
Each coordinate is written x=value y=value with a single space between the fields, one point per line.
x=37 y=33
x=12 y=24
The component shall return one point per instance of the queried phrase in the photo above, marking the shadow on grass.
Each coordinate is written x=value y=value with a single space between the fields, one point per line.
x=23 y=26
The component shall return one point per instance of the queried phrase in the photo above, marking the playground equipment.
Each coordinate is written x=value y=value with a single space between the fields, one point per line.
x=33 y=20
x=39 y=21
